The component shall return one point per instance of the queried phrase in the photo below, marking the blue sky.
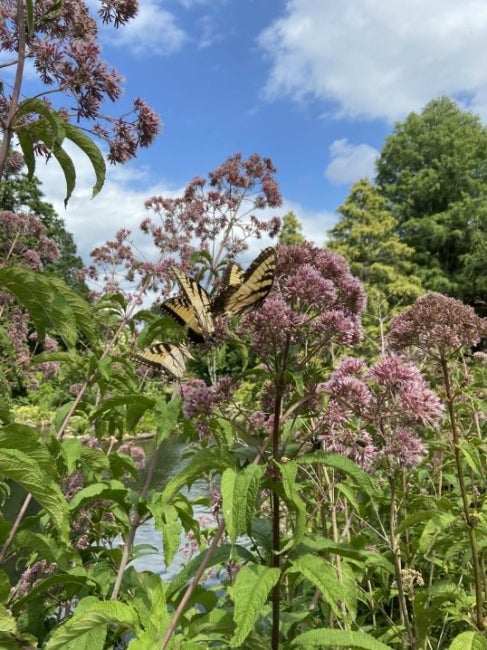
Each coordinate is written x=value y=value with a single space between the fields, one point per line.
x=314 y=85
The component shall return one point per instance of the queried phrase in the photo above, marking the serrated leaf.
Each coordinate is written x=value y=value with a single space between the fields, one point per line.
x=26 y=472
x=437 y=523
x=110 y=490
x=167 y=416
x=50 y=130
x=294 y=501
x=26 y=439
x=324 y=577
x=167 y=521
x=250 y=593
x=86 y=630
x=239 y=491
x=44 y=302
x=326 y=638
x=206 y=460
x=135 y=406
x=69 y=171
x=80 y=308
x=221 y=555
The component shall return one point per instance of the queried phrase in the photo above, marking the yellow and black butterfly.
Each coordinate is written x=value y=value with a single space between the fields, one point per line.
x=170 y=358
x=192 y=310
x=244 y=291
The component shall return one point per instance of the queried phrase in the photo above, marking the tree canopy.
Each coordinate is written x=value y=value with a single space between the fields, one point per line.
x=433 y=172
x=291 y=230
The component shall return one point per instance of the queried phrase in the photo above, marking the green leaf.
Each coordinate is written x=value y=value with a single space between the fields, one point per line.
x=429 y=607
x=87 y=146
x=437 y=523
x=27 y=145
x=86 y=630
x=345 y=465
x=250 y=593
x=294 y=501
x=135 y=407
x=206 y=460
x=43 y=300
x=7 y=621
x=110 y=490
x=26 y=439
x=324 y=577
x=469 y=641
x=52 y=127
x=80 y=308
x=71 y=450
x=326 y=638
x=239 y=491
x=221 y=555
x=69 y=171
x=26 y=472
x=167 y=417
x=167 y=521
x=74 y=583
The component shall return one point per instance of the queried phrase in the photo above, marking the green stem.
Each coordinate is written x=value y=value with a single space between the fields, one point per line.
x=465 y=498
x=396 y=554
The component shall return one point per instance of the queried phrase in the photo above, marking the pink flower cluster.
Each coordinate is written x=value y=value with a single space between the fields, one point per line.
x=315 y=301
x=200 y=400
x=377 y=416
x=438 y=325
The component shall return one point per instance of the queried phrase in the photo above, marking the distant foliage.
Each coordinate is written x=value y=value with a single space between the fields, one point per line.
x=433 y=172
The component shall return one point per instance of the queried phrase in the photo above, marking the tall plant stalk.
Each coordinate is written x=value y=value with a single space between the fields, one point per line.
x=469 y=521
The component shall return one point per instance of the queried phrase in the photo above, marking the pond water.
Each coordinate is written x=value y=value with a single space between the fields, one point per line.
x=170 y=462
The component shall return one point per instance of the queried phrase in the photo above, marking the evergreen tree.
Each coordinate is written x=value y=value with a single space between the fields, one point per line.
x=366 y=235
x=291 y=230
x=433 y=171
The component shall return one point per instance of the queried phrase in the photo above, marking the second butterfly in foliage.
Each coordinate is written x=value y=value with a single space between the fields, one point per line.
x=244 y=291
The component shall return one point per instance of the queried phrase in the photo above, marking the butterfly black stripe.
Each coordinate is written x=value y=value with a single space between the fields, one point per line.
x=245 y=291
x=170 y=358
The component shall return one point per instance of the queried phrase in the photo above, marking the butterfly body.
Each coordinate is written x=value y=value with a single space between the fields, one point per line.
x=242 y=292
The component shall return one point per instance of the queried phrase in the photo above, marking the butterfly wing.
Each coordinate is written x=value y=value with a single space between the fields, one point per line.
x=233 y=275
x=232 y=278
x=255 y=284
x=201 y=325
x=184 y=314
x=168 y=357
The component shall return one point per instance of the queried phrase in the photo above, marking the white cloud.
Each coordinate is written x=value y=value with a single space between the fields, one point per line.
x=153 y=32
x=379 y=58
x=350 y=162
x=94 y=221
